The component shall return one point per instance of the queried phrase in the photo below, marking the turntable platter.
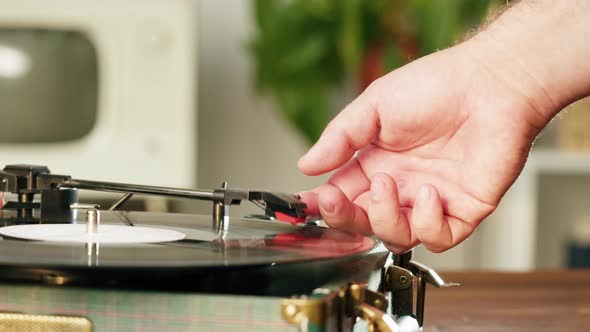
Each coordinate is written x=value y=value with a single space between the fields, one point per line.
x=60 y=241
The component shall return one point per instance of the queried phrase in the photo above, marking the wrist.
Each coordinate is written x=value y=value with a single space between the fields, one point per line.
x=538 y=50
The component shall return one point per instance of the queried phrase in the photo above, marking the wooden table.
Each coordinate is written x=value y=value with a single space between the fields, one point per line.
x=494 y=301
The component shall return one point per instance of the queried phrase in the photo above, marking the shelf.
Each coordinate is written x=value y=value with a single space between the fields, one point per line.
x=510 y=235
x=547 y=160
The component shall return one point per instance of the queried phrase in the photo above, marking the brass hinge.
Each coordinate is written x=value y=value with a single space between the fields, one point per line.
x=337 y=310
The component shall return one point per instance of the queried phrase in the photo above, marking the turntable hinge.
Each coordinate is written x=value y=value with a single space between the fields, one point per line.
x=329 y=310
x=399 y=281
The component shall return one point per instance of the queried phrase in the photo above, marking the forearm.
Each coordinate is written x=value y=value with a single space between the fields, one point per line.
x=541 y=49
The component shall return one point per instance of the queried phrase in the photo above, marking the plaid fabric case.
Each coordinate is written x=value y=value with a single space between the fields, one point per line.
x=122 y=310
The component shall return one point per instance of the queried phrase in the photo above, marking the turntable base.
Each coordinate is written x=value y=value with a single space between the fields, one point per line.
x=90 y=269
x=121 y=310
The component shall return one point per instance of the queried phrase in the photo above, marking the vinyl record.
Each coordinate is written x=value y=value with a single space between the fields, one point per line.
x=249 y=249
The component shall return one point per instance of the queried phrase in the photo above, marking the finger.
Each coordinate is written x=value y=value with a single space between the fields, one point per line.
x=435 y=230
x=310 y=198
x=428 y=220
x=410 y=172
x=351 y=179
x=355 y=127
x=339 y=212
x=388 y=222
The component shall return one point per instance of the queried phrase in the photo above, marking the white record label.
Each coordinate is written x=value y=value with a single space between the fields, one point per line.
x=76 y=233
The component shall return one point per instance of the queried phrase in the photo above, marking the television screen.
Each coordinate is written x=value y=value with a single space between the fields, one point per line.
x=48 y=85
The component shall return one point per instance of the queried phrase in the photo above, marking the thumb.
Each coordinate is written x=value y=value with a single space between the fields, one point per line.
x=351 y=130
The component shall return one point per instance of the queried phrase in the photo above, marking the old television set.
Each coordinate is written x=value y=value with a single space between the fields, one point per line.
x=100 y=89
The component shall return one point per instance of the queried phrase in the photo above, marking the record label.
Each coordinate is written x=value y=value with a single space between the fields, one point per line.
x=77 y=233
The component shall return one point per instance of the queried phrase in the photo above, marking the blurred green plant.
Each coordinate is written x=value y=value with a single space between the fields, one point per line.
x=305 y=49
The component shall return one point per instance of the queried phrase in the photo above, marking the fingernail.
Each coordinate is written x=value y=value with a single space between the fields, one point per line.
x=378 y=191
x=424 y=194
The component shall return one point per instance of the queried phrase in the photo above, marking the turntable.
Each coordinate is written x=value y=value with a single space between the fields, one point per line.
x=66 y=266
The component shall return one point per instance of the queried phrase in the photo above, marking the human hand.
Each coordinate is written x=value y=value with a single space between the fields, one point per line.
x=439 y=142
